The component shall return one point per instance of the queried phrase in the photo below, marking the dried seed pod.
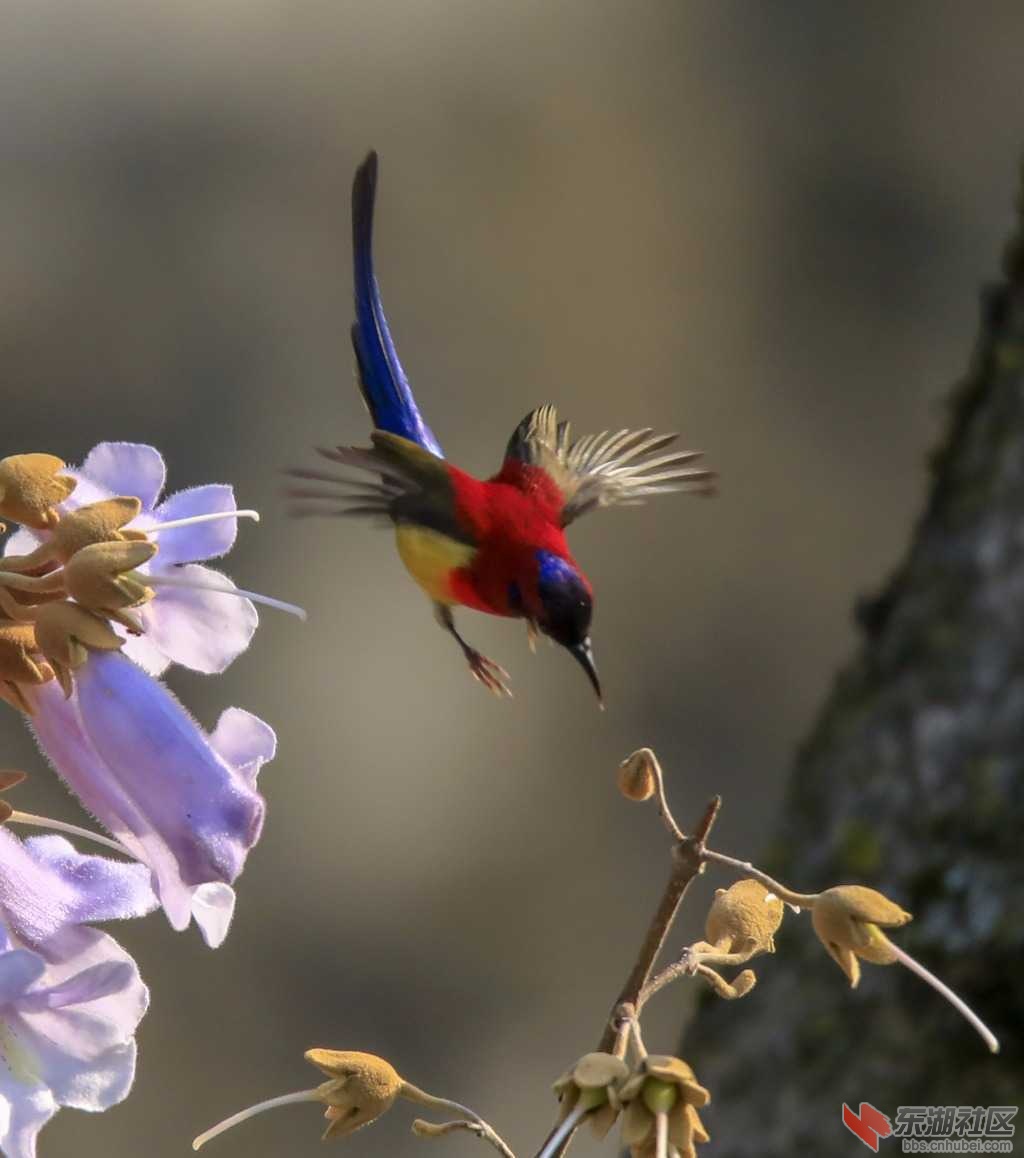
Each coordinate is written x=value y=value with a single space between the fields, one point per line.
x=746 y=913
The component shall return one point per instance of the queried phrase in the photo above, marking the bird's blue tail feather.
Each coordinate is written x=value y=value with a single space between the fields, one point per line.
x=383 y=382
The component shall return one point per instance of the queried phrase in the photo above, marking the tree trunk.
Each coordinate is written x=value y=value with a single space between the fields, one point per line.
x=911 y=782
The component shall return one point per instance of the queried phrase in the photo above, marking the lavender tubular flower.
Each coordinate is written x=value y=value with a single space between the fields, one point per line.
x=70 y=996
x=183 y=803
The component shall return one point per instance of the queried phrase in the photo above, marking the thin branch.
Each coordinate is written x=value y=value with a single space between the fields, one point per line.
x=797 y=900
x=687 y=863
x=663 y=807
x=622 y=1023
x=423 y=1129
x=692 y=961
x=740 y=985
x=707 y=821
x=471 y=1119
x=638 y=1039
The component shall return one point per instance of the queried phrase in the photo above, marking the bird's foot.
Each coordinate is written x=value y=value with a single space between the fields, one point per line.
x=490 y=674
x=532 y=631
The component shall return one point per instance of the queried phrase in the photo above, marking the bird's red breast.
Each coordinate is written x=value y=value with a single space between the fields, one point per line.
x=510 y=517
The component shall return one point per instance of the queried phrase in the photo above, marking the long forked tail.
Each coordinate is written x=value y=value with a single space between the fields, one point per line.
x=381 y=378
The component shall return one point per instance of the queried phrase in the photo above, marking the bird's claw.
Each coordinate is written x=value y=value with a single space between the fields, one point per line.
x=531 y=635
x=492 y=675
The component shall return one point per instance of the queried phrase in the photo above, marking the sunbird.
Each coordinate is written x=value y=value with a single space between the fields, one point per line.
x=496 y=545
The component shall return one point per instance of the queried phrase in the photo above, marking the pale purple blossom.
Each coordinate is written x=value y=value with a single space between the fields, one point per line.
x=182 y=802
x=197 y=621
x=70 y=996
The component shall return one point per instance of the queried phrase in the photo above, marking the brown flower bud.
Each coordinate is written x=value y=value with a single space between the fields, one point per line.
x=64 y=633
x=31 y=488
x=96 y=523
x=102 y=577
x=638 y=775
x=593 y=1083
x=18 y=666
x=849 y=920
x=664 y=1085
x=362 y=1087
x=743 y=916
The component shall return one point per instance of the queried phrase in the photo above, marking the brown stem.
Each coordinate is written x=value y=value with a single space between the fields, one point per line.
x=472 y=1122
x=690 y=962
x=797 y=900
x=687 y=862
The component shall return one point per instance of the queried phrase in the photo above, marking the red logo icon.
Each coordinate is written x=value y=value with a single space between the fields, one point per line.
x=869 y=1125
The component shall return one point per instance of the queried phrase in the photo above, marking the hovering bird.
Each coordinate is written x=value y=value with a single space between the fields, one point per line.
x=495 y=545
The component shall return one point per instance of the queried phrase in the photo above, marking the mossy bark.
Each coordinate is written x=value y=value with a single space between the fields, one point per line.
x=912 y=781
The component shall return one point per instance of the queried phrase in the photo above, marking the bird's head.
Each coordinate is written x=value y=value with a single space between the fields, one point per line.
x=566 y=607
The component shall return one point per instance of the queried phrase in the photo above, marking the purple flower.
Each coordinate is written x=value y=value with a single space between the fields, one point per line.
x=196 y=618
x=183 y=803
x=70 y=996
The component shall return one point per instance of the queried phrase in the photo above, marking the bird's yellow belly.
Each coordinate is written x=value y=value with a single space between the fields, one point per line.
x=430 y=558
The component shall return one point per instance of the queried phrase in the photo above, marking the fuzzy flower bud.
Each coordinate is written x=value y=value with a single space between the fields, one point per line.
x=100 y=522
x=849 y=920
x=592 y=1084
x=637 y=777
x=102 y=578
x=362 y=1087
x=31 y=488
x=18 y=666
x=746 y=915
x=668 y=1086
x=65 y=632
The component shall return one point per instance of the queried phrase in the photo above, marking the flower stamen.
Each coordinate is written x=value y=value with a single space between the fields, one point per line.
x=563 y=1130
x=944 y=990
x=251 y=1111
x=164 y=579
x=47 y=822
x=211 y=517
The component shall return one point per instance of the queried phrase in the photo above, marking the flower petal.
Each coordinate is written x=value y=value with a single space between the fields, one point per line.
x=106 y=889
x=144 y=652
x=19 y=970
x=244 y=741
x=100 y=980
x=203 y=630
x=31 y=904
x=201 y=540
x=85 y=1052
x=25 y=1108
x=21 y=542
x=126 y=468
x=213 y=906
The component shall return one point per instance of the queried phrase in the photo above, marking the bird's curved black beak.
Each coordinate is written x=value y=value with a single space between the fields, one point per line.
x=584 y=655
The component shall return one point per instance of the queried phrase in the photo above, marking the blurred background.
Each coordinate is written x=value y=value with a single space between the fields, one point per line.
x=763 y=225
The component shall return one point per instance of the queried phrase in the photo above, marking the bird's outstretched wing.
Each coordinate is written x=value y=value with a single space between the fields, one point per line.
x=413 y=485
x=619 y=467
